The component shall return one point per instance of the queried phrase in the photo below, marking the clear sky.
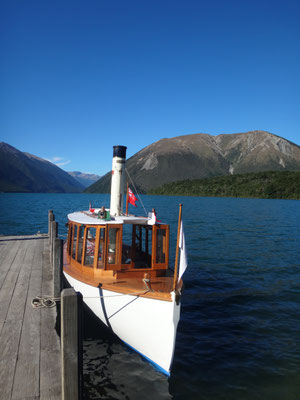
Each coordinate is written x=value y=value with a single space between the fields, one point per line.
x=77 y=77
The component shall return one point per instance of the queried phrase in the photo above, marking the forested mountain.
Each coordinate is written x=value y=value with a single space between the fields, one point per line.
x=266 y=185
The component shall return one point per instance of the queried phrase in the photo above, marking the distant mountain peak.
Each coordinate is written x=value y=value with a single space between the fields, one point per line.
x=202 y=155
x=86 y=179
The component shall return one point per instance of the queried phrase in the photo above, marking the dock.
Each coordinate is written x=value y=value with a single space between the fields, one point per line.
x=40 y=342
x=30 y=353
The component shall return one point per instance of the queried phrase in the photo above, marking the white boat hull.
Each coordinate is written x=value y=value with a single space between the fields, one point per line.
x=147 y=325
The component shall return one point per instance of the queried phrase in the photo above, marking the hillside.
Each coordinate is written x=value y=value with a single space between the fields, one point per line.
x=24 y=172
x=201 y=155
x=267 y=185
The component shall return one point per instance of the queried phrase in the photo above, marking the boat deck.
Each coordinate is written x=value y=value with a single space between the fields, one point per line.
x=161 y=287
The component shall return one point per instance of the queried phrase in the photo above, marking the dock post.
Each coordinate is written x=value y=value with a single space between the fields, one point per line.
x=53 y=236
x=71 y=344
x=50 y=219
x=57 y=267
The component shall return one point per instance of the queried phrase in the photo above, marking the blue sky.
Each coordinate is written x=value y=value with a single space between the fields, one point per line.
x=78 y=77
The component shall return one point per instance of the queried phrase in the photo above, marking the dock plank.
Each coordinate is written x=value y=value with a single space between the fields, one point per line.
x=28 y=363
x=8 y=255
x=50 y=370
x=10 y=334
x=10 y=269
x=4 y=254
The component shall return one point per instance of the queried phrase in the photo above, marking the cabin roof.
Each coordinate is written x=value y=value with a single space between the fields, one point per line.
x=88 y=218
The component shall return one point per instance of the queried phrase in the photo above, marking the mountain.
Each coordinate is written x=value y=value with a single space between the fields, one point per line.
x=202 y=155
x=24 y=172
x=84 y=178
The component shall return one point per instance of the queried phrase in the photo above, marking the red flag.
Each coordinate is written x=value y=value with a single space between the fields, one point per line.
x=131 y=197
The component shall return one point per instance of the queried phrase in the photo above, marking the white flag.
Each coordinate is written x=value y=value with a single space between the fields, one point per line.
x=183 y=256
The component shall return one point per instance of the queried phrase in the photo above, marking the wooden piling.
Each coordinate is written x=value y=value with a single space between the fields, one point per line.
x=50 y=219
x=57 y=267
x=71 y=344
x=53 y=236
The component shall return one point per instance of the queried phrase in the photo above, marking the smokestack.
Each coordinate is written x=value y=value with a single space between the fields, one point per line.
x=117 y=180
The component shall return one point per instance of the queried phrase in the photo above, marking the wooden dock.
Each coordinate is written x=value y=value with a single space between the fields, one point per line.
x=30 y=354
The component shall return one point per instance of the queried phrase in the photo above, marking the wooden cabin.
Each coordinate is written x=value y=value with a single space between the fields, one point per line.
x=123 y=248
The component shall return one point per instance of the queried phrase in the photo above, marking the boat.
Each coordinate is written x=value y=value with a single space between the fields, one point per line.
x=119 y=262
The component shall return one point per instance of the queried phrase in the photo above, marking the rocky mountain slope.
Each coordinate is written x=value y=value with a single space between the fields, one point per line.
x=24 y=172
x=202 y=155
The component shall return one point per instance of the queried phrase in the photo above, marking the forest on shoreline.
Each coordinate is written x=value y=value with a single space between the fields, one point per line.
x=267 y=185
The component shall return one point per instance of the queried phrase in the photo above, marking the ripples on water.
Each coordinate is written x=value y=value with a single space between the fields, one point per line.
x=238 y=337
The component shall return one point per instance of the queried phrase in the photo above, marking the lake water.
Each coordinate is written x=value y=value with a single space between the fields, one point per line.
x=239 y=333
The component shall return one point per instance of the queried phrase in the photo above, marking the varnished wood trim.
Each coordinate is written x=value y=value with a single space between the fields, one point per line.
x=84 y=246
x=119 y=282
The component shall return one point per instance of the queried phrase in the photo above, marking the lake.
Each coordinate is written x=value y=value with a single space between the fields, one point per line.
x=239 y=333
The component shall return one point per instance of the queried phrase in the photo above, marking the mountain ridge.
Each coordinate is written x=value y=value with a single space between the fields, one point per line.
x=84 y=178
x=202 y=155
x=25 y=172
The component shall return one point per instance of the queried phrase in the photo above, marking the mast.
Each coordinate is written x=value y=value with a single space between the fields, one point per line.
x=117 y=180
x=127 y=199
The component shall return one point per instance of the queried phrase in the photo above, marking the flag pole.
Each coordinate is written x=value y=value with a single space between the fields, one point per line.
x=177 y=248
x=127 y=200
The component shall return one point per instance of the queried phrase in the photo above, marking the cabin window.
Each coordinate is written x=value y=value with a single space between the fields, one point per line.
x=114 y=248
x=127 y=253
x=70 y=238
x=80 y=243
x=100 y=262
x=160 y=246
x=90 y=247
x=74 y=241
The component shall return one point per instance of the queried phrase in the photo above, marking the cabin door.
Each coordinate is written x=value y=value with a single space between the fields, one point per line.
x=160 y=247
x=113 y=247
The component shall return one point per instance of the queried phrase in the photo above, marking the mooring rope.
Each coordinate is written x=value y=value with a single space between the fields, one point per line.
x=118 y=295
x=49 y=302
x=44 y=302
